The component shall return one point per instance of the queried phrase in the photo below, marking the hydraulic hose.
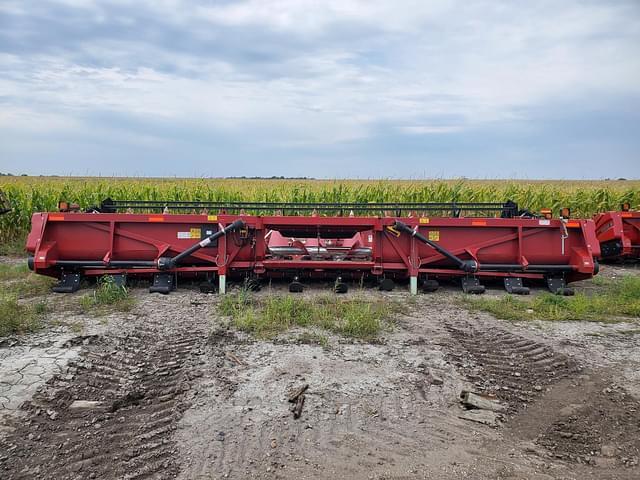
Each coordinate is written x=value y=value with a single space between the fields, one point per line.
x=464 y=265
x=166 y=263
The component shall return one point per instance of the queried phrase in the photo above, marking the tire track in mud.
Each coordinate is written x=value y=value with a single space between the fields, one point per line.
x=247 y=430
x=141 y=379
x=514 y=368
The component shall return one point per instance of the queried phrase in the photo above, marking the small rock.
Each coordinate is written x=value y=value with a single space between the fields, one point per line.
x=537 y=388
x=608 y=450
x=220 y=436
x=81 y=404
x=531 y=447
x=569 y=410
x=605 y=462
x=486 y=417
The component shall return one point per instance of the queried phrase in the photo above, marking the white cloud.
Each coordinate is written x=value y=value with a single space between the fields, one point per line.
x=429 y=129
x=312 y=17
x=399 y=66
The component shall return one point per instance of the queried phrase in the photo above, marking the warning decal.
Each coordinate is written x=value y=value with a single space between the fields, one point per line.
x=434 y=235
x=193 y=233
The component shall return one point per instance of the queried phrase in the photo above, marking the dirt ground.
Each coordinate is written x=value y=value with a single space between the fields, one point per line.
x=169 y=391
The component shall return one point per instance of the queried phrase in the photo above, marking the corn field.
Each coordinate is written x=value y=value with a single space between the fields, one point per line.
x=26 y=195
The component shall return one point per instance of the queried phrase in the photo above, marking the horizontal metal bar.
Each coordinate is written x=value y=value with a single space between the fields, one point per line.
x=454 y=208
x=416 y=208
x=306 y=264
x=324 y=204
x=498 y=267
x=99 y=263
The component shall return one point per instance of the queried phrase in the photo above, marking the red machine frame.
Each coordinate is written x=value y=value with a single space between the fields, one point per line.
x=619 y=234
x=95 y=244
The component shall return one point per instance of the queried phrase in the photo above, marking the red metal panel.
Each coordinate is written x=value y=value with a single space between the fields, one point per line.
x=102 y=238
x=619 y=234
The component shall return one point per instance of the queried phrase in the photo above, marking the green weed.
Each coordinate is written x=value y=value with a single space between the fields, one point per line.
x=17 y=280
x=619 y=298
x=266 y=316
x=18 y=318
x=312 y=338
x=108 y=295
x=12 y=272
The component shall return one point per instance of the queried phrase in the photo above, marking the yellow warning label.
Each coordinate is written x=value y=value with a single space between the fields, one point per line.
x=212 y=218
x=424 y=220
x=392 y=229
x=195 y=233
x=434 y=235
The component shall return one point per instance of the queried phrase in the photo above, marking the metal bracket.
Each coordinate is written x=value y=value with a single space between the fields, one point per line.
x=386 y=285
x=68 y=283
x=558 y=286
x=611 y=248
x=430 y=285
x=209 y=286
x=339 y=286
x=119 y=279
x=252 y=284
x=472 y=285
x=296 y=286
x=514 y=285
x=163 y=283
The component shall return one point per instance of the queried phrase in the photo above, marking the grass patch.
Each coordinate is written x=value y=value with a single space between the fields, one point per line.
x=618 y=298
x=12 y=272
x=17 y=318
x=13 y=246
x=108 y=295
x=601 y=281
x=312 y=338
x=19 y=281
x=31 y=285
x=266 y=316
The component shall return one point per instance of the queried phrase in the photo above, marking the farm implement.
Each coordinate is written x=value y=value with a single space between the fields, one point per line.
x=421 y=243
x=619 y=233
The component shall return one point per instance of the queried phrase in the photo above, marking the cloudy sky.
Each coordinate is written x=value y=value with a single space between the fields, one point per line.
x=342 y=88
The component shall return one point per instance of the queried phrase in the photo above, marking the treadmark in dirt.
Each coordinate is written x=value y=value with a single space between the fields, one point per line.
x=184 y=394
x=596 y=422
x=574 y=414
x=513 y=368
x=139 y=379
